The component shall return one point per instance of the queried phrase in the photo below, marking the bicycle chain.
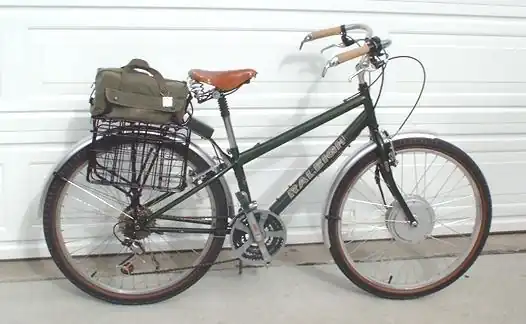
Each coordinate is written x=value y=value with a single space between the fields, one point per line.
x=183 y=268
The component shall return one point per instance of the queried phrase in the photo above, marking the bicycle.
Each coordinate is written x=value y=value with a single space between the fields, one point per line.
x=256 y=235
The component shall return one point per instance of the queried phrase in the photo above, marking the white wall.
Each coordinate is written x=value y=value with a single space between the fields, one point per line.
x=473 y=52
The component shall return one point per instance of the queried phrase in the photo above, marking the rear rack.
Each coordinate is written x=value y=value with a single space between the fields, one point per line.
x=149 y=156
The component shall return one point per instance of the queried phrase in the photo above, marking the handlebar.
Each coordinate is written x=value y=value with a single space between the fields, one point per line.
x=322 y=33
x=325 y=33
x=372 y=44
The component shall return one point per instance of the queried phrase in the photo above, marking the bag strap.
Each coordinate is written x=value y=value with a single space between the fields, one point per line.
x=138 y=63
x=143 y=65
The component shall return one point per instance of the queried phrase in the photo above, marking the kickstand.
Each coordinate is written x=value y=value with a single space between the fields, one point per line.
x=240 y=266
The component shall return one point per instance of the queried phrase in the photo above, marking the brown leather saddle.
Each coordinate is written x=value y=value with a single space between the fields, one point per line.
x=223 y=80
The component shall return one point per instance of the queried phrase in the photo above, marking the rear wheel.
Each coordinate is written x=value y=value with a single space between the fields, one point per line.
x=374 y=245
x=84 y=226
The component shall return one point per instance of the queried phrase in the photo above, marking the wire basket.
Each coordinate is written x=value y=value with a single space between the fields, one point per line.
x=137 y=155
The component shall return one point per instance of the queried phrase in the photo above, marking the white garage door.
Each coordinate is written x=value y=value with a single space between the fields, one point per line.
x=473 y=51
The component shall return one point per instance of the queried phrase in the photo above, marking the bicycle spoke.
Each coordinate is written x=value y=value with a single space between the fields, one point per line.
x=386 y=247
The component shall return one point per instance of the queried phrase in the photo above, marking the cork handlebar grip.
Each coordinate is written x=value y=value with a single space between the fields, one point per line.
x=352 y=54
x=325 y=32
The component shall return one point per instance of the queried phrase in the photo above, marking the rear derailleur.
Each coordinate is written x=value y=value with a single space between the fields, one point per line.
x=127 y=265
x=133 y=227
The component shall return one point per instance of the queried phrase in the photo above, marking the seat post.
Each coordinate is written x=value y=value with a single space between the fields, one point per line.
x=225 y=114
x=234 y=150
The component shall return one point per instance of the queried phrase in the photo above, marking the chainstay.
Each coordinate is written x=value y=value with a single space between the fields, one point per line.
x=184 y=268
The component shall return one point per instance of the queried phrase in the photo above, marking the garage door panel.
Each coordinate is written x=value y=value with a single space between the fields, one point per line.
x=268 y=182
x=50 y=52
x=309 y=219
x=170 y=57
x=79 y=40
x=65 y=96
x=282 y=60
x=460 y=58
x=437 y=102
x=252 y=123
x=485 y=144
x=513 y=3
x=264 y=132
x=513 y=8
x=5 y=216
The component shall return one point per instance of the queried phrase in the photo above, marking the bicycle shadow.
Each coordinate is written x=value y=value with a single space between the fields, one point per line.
x=311 y=64
x=332 y=276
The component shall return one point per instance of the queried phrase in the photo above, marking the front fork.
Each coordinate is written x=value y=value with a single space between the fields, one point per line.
x=384 y=164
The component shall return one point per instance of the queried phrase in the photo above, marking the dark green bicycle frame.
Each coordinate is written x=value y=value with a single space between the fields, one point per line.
x=366 y=118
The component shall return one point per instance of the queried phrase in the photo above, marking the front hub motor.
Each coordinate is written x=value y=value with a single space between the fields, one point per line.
x=400 y=228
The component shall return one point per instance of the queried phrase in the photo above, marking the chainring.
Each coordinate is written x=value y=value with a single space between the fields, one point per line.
x=242 y=242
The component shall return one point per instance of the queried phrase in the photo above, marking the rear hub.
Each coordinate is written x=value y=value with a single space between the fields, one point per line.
x=136 y=228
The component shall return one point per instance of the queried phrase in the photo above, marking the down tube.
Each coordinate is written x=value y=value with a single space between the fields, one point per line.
x=322 y=163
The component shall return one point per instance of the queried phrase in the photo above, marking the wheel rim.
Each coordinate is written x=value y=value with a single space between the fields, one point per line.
x=117 y=282
x=398 y=238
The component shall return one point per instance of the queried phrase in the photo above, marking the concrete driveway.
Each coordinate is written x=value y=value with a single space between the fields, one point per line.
x=492 y=292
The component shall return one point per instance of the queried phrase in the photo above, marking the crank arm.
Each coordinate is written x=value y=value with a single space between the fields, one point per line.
x=258 y=236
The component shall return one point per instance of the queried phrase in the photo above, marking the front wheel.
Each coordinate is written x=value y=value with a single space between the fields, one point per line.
x=374 y=245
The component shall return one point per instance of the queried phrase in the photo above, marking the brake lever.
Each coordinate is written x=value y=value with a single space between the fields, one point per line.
x=341 y=45
x=335 y=61
x=362 y=67
x=331 y=63
x=307 y=38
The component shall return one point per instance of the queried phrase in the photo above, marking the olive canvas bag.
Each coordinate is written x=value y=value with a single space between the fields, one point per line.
x=127 y=93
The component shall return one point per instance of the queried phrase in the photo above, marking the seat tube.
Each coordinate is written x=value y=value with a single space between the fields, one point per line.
x=234 y=150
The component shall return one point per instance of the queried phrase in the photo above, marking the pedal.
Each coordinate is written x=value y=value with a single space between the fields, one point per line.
x=264 y=253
